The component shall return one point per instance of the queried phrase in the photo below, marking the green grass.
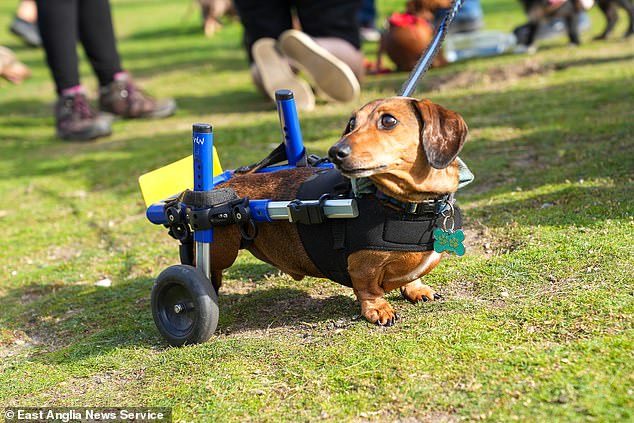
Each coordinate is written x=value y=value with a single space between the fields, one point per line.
x=536 y=324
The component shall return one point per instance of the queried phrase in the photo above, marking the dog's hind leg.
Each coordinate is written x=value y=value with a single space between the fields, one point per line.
x=611 y=16
x=416 y=291
x=224 y=251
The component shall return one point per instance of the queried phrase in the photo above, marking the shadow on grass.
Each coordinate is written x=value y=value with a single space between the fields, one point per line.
x=236 y=101
x=28 y=109
x=281 y=307
x=70 y=323
x=588 y=61
x=115 y=165
x=165 y=32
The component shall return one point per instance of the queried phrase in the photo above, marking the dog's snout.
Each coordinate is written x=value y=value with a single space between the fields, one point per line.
x=339 y=151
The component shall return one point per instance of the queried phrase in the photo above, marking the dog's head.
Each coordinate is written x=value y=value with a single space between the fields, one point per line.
x=405 y=146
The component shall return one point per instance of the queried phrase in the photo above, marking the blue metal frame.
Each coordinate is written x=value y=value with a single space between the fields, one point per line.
x=203 y=143
x=289 y=123
x=203 y=163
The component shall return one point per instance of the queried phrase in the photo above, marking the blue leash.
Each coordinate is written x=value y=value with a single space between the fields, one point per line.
x=432 y=50
x=423 y=64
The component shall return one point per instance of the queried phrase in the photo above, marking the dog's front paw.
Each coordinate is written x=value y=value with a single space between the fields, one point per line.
x=416 y=292
x=379 y=311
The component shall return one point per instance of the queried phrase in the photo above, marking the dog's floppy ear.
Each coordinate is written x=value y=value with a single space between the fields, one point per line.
x=442 y=133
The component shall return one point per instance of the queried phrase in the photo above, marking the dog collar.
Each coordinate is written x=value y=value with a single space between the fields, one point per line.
x=363 y=187
x=434 y=206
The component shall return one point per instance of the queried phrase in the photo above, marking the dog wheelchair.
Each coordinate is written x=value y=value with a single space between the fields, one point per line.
x=184 y=301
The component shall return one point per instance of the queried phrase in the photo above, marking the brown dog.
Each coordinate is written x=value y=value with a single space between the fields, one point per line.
x=407 y=149
x=212 y=11
x=407 y=35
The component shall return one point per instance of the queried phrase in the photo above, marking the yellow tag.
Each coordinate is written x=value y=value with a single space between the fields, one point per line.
x=172 y=179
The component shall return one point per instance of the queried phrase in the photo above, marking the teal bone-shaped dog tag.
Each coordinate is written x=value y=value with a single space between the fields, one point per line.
x=449 y=241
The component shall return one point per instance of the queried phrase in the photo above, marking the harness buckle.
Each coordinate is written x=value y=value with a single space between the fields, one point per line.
x=309 y=212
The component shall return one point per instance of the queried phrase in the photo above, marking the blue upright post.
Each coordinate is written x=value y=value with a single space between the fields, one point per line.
x=289 y=122
x=202 y=141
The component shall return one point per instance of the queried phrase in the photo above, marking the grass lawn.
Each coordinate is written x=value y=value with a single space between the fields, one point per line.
x=536 y=320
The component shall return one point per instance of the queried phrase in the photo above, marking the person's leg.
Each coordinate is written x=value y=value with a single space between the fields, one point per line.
x=74 y=118
x=345 y=52
x=367 y=14
x=328 y=49
x=367 y=21
x=58 y=27
x=263 y=19
x=97 y=36
x=24 y=23
x=27 y=10
x=332 y=25
x=263 y=22
x=117 y=93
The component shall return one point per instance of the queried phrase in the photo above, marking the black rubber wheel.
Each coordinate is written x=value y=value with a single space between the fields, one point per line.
x=184 y=305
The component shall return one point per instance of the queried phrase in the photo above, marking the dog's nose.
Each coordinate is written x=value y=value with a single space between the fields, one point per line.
x=338 y=152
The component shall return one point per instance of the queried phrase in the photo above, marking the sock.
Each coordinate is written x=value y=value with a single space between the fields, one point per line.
x=77 y=89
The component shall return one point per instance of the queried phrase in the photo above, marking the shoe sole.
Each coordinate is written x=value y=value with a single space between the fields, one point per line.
x=168 y=108
x=332 y=77
x=102 y=130
x=277 y=74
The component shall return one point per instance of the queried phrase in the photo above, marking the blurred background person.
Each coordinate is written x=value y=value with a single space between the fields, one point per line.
x=327 y=48
x=24 y=24
x=61 y=23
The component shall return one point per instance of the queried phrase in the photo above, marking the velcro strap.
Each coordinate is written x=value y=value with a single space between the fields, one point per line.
x=208 y=198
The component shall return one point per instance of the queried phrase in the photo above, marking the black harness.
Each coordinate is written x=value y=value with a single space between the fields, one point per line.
x=379 y=226
x=383 y=223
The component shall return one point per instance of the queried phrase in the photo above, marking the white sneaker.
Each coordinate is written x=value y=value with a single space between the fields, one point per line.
x=332 y=77
x=276 y=74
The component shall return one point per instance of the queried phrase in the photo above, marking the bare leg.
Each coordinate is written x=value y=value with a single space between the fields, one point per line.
x=345 y=52
x=27 y=10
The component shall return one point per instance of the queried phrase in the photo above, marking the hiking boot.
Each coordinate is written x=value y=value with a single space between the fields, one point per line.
x=76 y=120
x=275 y=73
x=123 y=98
x=332 y=77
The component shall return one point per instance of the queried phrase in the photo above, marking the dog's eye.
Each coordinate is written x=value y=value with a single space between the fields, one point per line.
x=387 y=122
x=351 y=123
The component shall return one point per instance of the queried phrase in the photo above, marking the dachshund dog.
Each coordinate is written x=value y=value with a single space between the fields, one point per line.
x=407 y=149
x=408 y=34
x=539 y=11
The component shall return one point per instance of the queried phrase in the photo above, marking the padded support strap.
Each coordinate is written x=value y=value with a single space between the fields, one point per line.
x=208 y=198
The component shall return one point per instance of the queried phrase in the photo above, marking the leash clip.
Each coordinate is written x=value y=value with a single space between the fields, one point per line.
x=448 y=207
x=447 y=238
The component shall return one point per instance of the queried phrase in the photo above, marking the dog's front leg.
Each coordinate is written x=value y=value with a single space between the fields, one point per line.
x=366 y=269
